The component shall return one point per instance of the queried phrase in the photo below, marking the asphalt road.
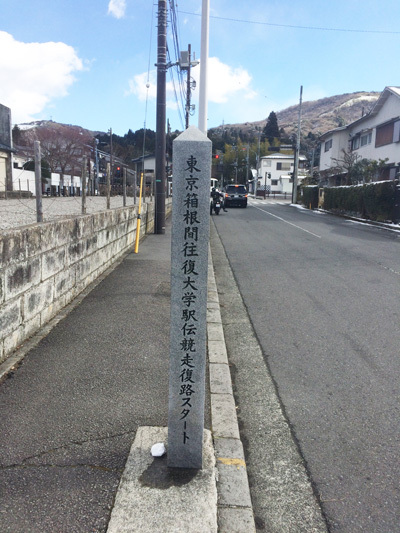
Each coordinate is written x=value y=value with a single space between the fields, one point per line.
x=322 y=296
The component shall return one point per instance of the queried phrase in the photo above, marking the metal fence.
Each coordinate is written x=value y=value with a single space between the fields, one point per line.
x=19 y=211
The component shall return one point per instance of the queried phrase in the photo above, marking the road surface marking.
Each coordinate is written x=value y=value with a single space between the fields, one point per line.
x=287 y=222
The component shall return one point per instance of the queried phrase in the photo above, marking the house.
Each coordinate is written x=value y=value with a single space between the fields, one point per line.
x=6 y=150
x=148 y=164
x=374 y=136
x=275 y=172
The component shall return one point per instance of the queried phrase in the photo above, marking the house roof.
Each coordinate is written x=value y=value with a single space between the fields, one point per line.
x=387 y=91
x=330 y=132
x=278 y=155
x=140 y=159
x=6 y=148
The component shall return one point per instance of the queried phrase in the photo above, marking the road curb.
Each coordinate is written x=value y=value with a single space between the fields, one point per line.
x=383 y=225
x=234 y=507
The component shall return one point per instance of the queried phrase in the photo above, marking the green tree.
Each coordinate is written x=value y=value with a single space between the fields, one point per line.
x=46 y=173
x=271 y=129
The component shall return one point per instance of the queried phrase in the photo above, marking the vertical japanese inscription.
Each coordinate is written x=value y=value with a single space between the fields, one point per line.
x=189 y=265
x=190 y=228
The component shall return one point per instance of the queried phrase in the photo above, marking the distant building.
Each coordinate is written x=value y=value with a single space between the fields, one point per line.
x=6 y=150
x=275 y=172
x=375 y=136
x=148 y=164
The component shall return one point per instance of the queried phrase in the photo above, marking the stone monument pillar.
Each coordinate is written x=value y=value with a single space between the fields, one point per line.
x=192 y=152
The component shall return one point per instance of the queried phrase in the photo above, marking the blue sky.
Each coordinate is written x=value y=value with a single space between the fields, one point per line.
x=87 y=62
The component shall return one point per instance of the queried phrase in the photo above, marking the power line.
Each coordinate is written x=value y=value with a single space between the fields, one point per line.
x=294 y=26
x=174 y=70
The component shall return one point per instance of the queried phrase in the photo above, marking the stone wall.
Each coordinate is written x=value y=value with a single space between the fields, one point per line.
x=45 y=266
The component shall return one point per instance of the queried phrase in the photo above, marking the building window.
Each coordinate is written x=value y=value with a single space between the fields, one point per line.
x=396 y=131
x=328 y=145
x=268 y=163
x=283 y=166
x=274 y=182
x=388 y=133
x=392 y=173
x=355 y=143
x=365 y=139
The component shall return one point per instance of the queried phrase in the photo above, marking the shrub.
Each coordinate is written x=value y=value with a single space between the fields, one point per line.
x=374 y=201
x=310 y=196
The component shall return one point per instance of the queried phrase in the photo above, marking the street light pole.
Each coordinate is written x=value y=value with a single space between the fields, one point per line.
x=205 y=18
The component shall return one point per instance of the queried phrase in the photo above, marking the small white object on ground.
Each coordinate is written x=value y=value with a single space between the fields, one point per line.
x=158 y=450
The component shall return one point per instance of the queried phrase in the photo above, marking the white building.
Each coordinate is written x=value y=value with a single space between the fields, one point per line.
x=6 y=148
x=24 y=180
x=275 y=173
x=374 y=136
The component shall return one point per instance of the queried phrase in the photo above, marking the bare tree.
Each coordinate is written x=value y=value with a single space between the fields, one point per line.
x=344 y=165
x=356 y=169
x=63 y=147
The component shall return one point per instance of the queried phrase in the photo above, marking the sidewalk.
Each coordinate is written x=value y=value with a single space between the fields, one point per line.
x=90 y=383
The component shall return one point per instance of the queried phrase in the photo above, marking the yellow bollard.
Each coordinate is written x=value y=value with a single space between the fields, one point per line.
x=139 y=217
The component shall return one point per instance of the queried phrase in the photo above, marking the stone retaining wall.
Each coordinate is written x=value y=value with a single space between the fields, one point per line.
x=45 y=266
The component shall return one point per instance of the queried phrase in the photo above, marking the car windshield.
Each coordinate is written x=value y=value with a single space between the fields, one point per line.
x=236 y=189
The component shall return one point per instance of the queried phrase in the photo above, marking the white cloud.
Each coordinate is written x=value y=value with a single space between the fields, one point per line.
x=224 y=81
x=34 y=74
x=117 y=8
x=140 y=87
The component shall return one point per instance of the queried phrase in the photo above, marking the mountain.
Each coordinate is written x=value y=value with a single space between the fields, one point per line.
x=319 y=116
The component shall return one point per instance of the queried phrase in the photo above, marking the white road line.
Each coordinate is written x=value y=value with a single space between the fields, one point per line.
x=287 y=222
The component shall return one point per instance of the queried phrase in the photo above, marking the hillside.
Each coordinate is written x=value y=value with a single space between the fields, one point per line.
x=320 y=116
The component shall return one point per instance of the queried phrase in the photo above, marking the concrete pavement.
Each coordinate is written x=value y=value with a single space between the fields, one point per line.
x=75 y=397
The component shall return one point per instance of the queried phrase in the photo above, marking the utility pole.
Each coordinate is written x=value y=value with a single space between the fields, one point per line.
x=159 y=225
x=111 y=159
x=84 y=166
x=247 y=164
x=96 y=179
x=188 y=88
x=108 y=185
x=185 y=63
x=296 y=155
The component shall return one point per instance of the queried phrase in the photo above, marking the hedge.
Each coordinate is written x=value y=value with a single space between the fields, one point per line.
x=374 y=201
x=310 y=196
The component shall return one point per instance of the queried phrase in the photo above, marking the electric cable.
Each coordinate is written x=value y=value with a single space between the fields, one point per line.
x=294 y=26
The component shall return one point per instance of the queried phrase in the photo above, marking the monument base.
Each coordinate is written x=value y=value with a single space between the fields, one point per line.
x=156 y=499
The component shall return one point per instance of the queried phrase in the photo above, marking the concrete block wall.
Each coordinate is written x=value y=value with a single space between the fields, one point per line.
x=45 y=266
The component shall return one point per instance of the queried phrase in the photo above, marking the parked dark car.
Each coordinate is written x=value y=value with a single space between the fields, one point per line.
x=235 y=195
